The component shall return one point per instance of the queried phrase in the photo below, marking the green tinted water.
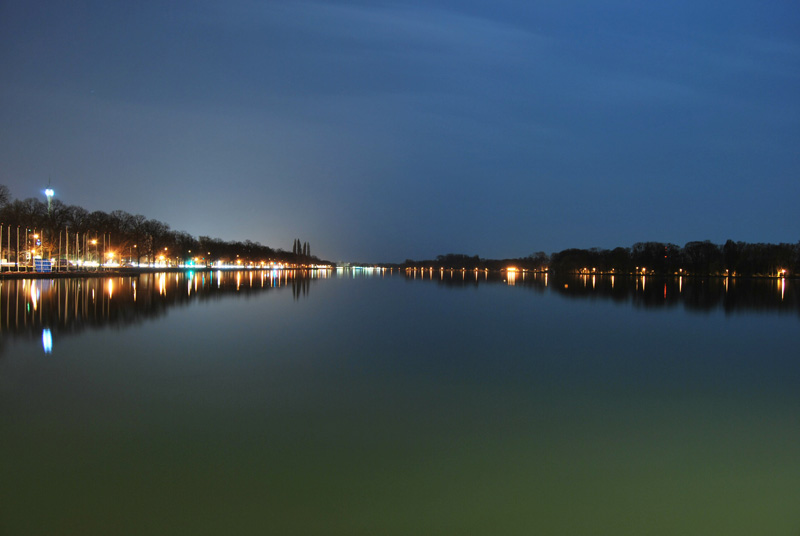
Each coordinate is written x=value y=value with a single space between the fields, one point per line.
x=392 y=406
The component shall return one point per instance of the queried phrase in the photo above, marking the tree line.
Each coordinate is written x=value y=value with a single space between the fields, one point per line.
x=131 y=237
x=694 y=258
x=301 y=249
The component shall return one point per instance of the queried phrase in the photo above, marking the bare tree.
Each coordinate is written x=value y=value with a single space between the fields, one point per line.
x=5 y=195
x=156 y=236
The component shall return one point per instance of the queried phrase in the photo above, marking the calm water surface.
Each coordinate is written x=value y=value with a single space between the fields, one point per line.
x=291 y=403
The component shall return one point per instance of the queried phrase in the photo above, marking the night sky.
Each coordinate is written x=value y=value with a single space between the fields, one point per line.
x=385 y=131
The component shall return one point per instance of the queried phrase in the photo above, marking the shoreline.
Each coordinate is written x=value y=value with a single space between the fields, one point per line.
x=111 y=272
x=124 y=272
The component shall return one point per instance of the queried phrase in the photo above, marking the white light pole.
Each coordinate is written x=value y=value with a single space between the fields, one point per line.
x=49 y=193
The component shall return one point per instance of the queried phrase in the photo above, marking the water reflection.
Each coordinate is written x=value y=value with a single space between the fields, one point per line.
x=47 y=341
x=698 y=294
x=49 y=308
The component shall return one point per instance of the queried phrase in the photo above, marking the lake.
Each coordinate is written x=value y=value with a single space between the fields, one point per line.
x=372 y=402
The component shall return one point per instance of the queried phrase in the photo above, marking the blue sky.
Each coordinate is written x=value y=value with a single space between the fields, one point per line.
x=385 y=131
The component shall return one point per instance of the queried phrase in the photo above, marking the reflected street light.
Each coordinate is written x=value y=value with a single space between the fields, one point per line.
x=47 y=340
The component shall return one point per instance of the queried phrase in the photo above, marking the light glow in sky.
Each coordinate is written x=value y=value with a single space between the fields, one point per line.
x=383 y=131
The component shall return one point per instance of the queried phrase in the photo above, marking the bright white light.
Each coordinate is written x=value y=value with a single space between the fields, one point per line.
x=49 y=192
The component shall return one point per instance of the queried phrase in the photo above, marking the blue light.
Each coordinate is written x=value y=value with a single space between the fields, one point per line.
x=47 y=341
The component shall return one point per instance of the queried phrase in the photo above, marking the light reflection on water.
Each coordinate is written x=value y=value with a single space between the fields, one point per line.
x=68 y=305
x=384 y=404
x=728 y=294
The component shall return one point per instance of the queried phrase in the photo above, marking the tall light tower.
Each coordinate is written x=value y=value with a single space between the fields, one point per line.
x=49 y=193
